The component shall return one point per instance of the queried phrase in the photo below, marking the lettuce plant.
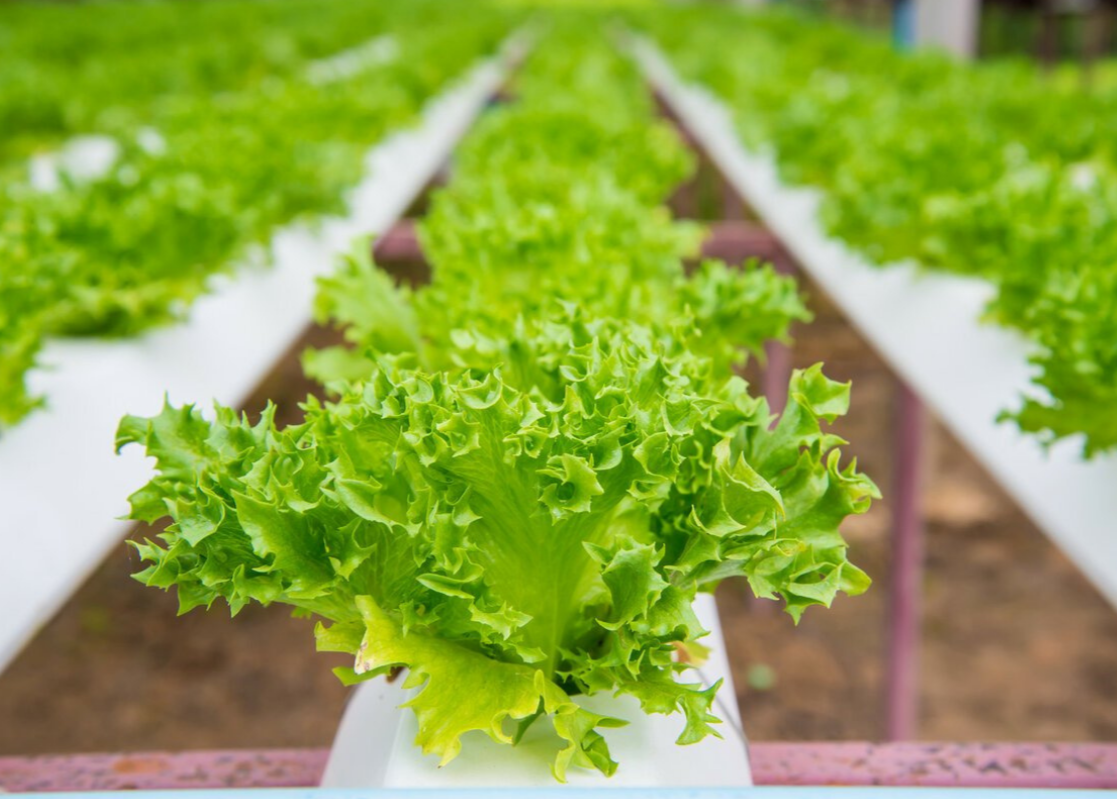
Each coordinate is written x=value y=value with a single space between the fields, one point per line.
x=728 y=312
x=514 y=536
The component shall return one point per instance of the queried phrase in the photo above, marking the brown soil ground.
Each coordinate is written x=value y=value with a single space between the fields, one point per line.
x=1016 y=644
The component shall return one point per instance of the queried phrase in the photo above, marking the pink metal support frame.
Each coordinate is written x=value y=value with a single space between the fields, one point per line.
x=927 y=764
x=902 y=687
x=733 y=241
x=732 y=206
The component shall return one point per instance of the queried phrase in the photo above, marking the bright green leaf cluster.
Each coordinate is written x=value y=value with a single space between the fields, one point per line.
x=106 y=68
x=513 y=543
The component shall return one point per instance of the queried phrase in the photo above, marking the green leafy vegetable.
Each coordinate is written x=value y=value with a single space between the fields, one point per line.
x=513 y=544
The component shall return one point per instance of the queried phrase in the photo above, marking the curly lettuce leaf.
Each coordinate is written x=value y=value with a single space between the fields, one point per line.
x=528 y=542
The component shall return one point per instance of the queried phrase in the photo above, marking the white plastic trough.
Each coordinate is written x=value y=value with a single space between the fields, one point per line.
x=375 y=748
x=62 y=489
x=346 y=64
x=927 y=327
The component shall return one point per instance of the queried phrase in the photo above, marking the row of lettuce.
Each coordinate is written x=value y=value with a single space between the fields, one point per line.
x=996 y=170
x=527 y=469
x=225 y=126
x=70 y=70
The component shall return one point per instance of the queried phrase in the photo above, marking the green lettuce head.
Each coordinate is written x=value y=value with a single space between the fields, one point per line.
x=518 y=534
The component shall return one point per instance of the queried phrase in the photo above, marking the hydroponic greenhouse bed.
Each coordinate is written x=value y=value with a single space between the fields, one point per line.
x=547 y=414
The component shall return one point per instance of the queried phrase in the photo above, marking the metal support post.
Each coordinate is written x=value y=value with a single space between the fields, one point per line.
x=902 y=699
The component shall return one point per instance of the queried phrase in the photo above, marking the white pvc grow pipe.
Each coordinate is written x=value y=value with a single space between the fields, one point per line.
x=927 y=326
x=375 y=748
x=346 y=64
x=62 y=489
x=82 y=158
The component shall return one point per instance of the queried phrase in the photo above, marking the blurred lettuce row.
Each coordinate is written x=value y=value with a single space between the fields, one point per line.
x=995 y=170
x=106 y=67
x=530 y=467
x=222 y=137
x=557 y=198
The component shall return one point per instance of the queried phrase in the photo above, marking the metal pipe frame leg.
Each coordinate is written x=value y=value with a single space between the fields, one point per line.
x=902 y=687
